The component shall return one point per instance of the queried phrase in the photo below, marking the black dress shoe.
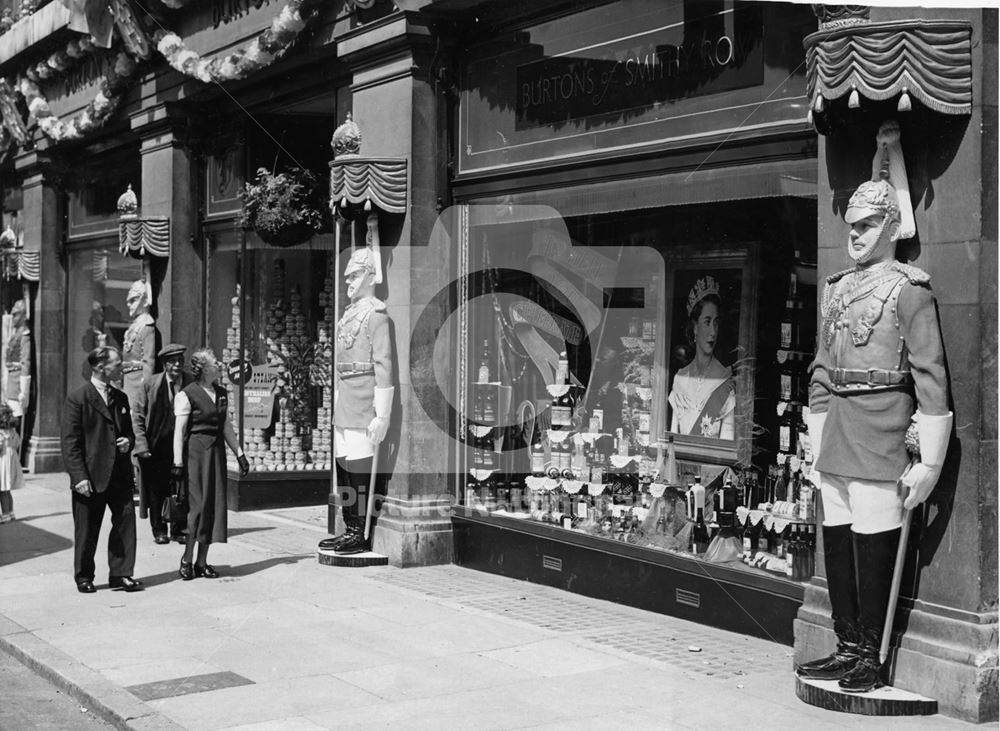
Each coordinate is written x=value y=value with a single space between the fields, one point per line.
x=330 y=544
x=161 y=539
x=187 y=570
x=208 y=571
x=352 y=543
x=180 y=538
x=86 y=587
x=127 y=583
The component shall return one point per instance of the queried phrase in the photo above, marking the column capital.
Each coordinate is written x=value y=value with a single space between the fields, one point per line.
x=162 y=125
x=39 y=166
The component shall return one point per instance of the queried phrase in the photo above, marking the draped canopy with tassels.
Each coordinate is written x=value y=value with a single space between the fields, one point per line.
x=381 y=182
x=929 y=60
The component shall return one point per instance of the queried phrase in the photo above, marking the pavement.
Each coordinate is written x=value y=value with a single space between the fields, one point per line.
x=282 y=642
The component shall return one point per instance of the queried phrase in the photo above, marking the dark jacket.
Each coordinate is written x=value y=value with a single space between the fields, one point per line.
x=153 y=416
x=89 y=430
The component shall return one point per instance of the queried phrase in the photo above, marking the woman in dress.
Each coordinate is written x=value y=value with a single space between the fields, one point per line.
x=703 y=398
x=201 y=433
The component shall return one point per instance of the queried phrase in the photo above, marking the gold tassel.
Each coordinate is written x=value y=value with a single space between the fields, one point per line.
x=368 y=205
x=818 y=103
x=855 y=99
x=343 y=203
x=809 y=117
x=904 y=101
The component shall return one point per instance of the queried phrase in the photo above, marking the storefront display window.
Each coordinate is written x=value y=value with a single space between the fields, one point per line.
x=638 y=376
x=271 y=322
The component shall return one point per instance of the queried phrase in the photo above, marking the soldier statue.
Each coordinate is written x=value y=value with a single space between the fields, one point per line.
x=363 y=393
x=17 y=380
x=879 y=368
x=139 y=341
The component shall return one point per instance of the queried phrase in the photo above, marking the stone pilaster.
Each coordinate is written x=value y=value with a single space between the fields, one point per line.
x=168 y=189
x=400 y=115
x=43 y=232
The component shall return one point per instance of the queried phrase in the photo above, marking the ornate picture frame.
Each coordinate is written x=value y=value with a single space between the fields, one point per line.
x=717 y=426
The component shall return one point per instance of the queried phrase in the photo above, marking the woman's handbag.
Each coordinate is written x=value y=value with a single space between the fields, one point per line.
x=178 y=501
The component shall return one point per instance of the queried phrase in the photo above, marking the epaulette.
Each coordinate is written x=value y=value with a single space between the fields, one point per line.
x=915 y=275
x=833 y=278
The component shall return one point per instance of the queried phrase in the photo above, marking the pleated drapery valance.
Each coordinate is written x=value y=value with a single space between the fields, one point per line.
x=929 y=61
x=369 y=181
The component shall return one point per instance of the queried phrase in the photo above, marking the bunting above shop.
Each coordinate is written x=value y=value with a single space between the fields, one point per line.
x=925 y=61
x=364 y=182
x=99 y=18
x=258 y=53
x=15 y=262
x=12 y=127
x=137 y=236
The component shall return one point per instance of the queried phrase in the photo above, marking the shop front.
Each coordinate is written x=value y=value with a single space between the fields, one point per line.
x=639 y=237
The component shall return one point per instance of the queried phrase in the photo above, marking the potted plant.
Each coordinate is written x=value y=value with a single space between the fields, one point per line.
x=282 y=208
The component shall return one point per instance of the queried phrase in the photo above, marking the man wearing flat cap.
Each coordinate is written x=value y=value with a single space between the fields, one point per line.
x=153 y=422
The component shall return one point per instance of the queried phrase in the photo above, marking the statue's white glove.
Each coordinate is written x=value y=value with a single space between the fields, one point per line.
x=383 y=407
x=921 y=477
x=815 y=422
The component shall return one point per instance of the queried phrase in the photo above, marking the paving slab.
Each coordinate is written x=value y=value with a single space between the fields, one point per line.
x=335 y=648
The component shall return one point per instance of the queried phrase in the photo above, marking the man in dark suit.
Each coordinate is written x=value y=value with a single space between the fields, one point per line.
x=96 y=439
x=153 y=422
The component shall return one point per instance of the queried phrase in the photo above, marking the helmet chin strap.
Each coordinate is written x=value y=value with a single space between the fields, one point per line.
x=883 y=239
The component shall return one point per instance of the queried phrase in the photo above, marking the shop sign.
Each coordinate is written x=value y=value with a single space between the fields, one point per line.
x=239 y=371
x=697 y=56
x=258 y=394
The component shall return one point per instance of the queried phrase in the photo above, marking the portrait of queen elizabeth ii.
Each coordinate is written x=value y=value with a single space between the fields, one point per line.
x=702 y=394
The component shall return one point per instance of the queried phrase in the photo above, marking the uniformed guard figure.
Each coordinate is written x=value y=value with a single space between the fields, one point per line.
x=879 y=367
x=139 y=341
x=363 y=394
x=17 y=380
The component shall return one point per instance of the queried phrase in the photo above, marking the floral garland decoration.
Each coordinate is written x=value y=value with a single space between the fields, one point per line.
x=255 y=55
x=61 y=61
x=95 y=114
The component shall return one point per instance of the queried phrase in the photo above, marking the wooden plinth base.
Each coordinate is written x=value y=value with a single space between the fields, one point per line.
x=355 y=560
x=879 y=702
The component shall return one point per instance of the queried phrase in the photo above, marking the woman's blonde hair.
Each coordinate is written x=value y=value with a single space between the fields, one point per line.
x=199 y=359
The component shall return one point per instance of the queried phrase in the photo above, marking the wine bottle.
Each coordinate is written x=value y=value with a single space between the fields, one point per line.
x=562 y=368
x=789 y=321
x=699 y=534
x=566 y=405
x=484 y=363
x=670 y=476
x=554 y=468
x=537 y=454
x=566 y=461
x=748 y=542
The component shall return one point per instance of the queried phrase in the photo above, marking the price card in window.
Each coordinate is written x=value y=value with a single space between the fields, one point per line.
x=258 y=397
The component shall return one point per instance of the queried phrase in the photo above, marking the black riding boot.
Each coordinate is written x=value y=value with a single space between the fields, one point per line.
x=344 y=485
x=838 y=558
x=876 y=559
x=354 y=540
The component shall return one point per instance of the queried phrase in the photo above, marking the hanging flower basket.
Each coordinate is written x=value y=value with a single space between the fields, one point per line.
x=282 y=208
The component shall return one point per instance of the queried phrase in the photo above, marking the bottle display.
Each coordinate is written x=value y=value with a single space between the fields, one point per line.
x=600 y=457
